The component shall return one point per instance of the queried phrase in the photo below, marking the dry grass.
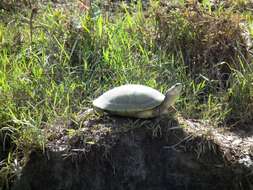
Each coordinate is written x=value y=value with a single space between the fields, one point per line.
x=211 y=41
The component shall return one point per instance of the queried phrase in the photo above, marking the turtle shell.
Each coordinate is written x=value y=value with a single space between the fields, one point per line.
x=129 y=98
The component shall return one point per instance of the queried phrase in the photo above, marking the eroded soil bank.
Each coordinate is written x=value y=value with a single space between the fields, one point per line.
x=124 y=154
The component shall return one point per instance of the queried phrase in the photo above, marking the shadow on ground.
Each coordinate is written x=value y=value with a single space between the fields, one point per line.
x=124 y=154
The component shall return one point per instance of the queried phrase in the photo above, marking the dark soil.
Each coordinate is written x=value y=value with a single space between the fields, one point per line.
x=136 y=154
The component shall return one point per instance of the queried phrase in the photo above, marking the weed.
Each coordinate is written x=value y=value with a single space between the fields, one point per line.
x=240 y=97
x=206 y=39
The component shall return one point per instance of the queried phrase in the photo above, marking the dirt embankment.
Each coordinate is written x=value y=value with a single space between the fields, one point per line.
x=117 y=153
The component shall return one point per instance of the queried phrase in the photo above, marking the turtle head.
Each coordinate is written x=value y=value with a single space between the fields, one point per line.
x=174 y=90
x=170 y=97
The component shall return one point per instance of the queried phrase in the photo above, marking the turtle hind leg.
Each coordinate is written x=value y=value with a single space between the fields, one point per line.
x=147 y=114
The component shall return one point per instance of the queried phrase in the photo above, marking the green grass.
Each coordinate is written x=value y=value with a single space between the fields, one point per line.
x=71 y=60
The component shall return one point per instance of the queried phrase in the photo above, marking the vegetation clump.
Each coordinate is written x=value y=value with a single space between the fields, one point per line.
x=212 y=42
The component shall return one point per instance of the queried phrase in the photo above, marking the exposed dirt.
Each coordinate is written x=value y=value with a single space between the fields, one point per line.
x=117 y=153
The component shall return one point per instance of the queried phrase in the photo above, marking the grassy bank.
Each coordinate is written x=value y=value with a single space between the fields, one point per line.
x=54 y=61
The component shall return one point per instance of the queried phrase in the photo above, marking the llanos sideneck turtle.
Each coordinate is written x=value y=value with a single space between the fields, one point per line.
x=139 y=101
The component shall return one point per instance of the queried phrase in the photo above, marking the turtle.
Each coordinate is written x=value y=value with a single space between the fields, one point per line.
x=138 y=101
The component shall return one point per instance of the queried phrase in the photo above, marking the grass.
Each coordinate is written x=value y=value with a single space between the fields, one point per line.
x=69 y=60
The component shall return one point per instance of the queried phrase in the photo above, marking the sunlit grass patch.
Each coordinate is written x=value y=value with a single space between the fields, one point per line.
x=72 y=58
x=240 y=98
x=206 y=38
